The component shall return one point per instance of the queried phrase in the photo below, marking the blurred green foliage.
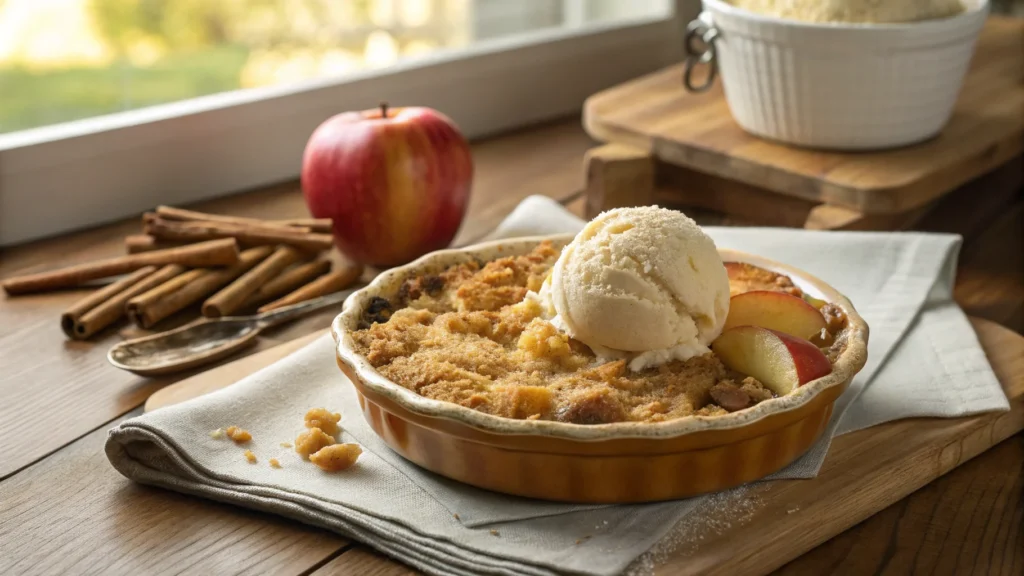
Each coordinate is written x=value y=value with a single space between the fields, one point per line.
x=203 y=46
x=30 y=99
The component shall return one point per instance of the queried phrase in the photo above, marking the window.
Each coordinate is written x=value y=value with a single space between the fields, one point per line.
x=108 y=107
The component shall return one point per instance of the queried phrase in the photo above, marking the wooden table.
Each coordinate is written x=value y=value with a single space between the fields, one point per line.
x=63 y=509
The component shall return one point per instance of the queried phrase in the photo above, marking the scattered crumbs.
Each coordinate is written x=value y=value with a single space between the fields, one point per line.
x=323 y=419
x=238 y=435
x=312 y=441
x=336 y=457
x=711 y=516
x=286 y=444
x=584 y=539
x=495 y=533
x=274 y=463
x=456 y=516
x=793 y=510
x=217 y=434
x=250 y=456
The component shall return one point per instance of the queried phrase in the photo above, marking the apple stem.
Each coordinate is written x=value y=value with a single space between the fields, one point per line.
x=383 y=109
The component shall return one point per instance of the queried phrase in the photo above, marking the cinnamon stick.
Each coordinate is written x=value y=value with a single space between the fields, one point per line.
x=149 y=218
x=222 y=252
x=145 y=243
x=160 y=302
x=249 y=235
x=180 y=214
x=326 y=284
x=104 y=307
x=322 y=225
x=231 y=297
x=286 y=282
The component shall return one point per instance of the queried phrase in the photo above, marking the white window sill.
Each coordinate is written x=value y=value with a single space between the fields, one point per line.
x=70 y=176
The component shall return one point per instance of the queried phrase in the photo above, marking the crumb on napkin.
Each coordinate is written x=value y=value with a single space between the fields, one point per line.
x=238 y=435
x=312 y=441
x=323 y=419
x=336 y=457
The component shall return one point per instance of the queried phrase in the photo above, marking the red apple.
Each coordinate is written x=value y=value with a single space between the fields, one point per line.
x=394 y=180
x=780 y=361
x=775 y=310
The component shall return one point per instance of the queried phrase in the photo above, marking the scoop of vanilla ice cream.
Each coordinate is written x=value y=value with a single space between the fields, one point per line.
x=640 y=280
x=865 y=11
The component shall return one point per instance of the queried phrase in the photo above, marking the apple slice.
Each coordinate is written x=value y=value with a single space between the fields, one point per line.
x=780 y=361
x=817 y=303
x=776 y=311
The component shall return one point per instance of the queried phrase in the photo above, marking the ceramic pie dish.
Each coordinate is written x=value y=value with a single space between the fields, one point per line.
x=614 y=462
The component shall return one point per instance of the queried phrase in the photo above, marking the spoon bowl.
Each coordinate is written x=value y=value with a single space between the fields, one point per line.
x=183 y=348
x=206 y=340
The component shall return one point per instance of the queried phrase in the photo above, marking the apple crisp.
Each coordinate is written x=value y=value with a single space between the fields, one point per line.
x=469 y=335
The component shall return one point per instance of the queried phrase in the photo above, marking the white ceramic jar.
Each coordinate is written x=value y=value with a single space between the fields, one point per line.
x=837 y=85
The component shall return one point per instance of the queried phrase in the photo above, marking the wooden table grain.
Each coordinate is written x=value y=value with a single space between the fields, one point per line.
x=63 y=509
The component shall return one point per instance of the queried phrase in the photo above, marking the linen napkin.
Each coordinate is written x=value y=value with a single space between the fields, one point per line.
x=924 y=360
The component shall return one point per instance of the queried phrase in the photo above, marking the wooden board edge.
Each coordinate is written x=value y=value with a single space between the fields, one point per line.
x=831 y=499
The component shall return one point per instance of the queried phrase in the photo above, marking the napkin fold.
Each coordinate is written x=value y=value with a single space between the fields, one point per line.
x=923 y=360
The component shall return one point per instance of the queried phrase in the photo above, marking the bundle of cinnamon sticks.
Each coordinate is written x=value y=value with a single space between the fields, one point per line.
x=231 y=264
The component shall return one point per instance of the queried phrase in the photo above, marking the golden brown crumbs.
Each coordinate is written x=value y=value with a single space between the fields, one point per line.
x=495 y=533
x=217 y=434
x=274 y=463
x=323 y=419
x=286 y=444
x=757 y=391
x=835 y=318
x=238 y=435
x=250 y=456
x=745 y=277
x=456 y=516
x=468 y=336
x=711 y=410
x=336 y=457
x=312 y=441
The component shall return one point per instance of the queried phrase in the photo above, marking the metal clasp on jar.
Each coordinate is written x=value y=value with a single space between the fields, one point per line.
x=701 y=29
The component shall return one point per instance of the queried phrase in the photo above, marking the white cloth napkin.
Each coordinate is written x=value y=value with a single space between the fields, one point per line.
x=924 y=360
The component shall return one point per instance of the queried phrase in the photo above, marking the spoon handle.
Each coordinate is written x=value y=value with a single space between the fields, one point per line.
x=275 y=317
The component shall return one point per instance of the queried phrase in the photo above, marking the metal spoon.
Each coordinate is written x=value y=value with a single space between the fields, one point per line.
x=206 y=341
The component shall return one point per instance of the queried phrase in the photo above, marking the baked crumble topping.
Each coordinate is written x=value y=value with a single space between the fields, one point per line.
x=469 y=335
x=745 y=277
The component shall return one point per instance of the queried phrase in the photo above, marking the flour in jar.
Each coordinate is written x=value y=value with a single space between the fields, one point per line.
x=863 y=11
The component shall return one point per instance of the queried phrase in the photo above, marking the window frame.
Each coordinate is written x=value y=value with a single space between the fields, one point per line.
x=84 y=173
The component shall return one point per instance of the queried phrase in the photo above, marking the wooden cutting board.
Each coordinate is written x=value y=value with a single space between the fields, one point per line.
x=865 y=471
x=656 y=116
